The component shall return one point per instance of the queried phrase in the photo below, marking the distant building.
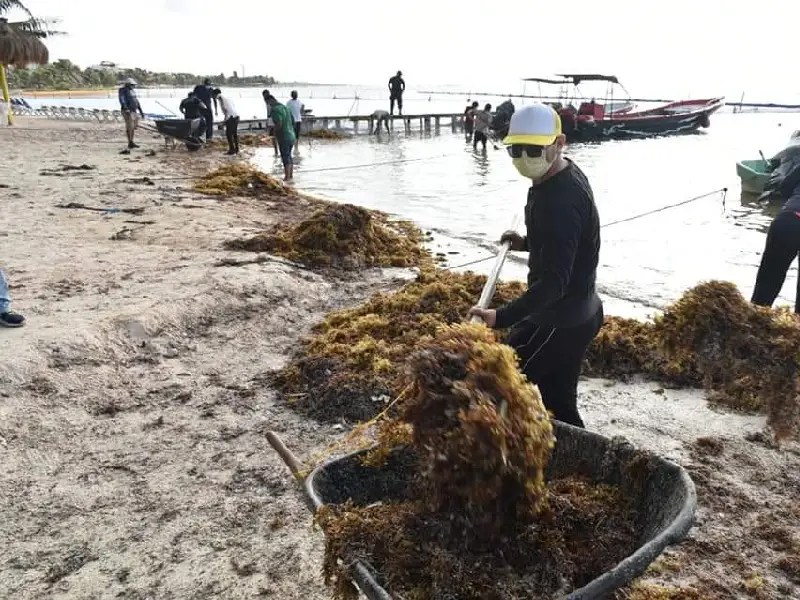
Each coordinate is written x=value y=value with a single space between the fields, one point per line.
x=107 y=65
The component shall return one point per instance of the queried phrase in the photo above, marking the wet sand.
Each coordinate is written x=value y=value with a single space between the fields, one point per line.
x=133 y=405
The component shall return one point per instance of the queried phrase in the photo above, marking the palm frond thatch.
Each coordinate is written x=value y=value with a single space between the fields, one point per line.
x=19 y=48
x=8 y=5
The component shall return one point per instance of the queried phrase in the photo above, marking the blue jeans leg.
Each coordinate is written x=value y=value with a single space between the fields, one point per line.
x=5 y=300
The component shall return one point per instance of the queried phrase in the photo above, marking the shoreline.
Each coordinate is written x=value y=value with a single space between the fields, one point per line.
x=102 y=92
x=136 y=398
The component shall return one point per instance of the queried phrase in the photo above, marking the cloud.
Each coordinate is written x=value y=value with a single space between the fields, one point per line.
x=178 y=6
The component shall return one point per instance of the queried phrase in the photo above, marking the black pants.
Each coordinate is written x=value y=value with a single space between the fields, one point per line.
x=552 y=358
x=208 y=115
x=783 y=245
x=392 y=99
x=481 y=137
x=232 y=133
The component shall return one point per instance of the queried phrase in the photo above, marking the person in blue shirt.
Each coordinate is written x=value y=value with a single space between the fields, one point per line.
x=130 y=108
x=205 y=94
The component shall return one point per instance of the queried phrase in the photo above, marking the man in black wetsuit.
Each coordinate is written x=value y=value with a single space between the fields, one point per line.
x=194 y=108
x=780 y=166
x=204 y=94
x=783 y=237
x=555 y=320
x=396 y=88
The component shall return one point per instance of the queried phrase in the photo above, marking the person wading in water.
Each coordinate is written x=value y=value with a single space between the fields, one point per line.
x=555 y=320
x=284 y=134
x=783 y=237
x=469 y=121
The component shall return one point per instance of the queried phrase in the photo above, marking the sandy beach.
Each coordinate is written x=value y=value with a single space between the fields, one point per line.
x=134 y=403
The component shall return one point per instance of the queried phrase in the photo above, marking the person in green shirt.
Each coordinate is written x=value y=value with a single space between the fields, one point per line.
x=284 y=133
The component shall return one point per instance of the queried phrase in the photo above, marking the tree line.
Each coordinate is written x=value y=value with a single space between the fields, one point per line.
x=63 y=74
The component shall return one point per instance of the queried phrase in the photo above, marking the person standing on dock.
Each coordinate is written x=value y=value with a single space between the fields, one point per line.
x=296 y=108
x=284 y=134
x=555 y=320
x=204 y=92
x=396 y=88
x=469 y=120
x=131 y=110
x=483 y=119
x=231 y=121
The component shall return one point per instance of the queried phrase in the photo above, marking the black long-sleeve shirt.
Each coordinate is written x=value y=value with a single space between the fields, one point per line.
x=193 y=107
x=563 y=241
x=203 y=92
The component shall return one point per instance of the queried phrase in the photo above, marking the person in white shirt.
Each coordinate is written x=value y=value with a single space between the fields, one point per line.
x=231 y=121
x=296 y=108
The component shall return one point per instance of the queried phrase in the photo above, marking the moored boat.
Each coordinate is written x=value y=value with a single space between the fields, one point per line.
x=595 y=120
x=590 y=122
x=753 y=174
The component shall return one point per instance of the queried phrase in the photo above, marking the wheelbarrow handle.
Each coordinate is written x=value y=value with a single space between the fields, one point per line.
x=294 y=466
x=286 y=454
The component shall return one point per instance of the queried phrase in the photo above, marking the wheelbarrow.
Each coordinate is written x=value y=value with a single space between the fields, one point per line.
x=661 y=490
x=185 y=130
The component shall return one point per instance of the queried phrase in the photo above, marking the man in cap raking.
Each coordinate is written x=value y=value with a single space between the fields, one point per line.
x=555 y=320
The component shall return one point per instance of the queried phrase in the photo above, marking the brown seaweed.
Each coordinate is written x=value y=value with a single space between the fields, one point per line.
x=746 y=356
x=240 y=179
x=345 y=236
x=481 y=524
x=351 y=367
x=419 y=555
x=480 y=430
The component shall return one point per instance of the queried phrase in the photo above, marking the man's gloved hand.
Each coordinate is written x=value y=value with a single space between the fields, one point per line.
x=517 y=241
x=768 y=196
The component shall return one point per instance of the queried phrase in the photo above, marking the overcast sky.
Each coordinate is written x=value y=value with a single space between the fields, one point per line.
x=680 y=47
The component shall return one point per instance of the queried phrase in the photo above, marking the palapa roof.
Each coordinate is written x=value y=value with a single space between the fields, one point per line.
x=19 y=48
x=574 y=79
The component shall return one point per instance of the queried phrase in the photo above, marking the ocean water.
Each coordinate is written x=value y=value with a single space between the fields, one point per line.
x=323 y=100
x=467 y=199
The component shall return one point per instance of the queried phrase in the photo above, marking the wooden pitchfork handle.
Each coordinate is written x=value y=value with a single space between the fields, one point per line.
x=491 y=282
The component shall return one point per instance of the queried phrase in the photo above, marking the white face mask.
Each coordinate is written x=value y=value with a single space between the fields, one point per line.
x=532 y=168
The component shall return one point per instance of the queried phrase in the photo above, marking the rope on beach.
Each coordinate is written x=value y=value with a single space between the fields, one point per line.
x=337 y=168
x=723 y=191
x=380 y=163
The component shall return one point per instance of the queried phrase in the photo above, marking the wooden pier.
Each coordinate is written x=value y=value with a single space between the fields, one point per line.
x=423 y=122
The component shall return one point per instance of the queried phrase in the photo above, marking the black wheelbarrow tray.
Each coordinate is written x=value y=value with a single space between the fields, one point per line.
x=662 y=492
x=181 y=129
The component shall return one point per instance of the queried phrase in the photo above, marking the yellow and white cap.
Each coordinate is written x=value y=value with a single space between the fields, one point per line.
x=535 y=124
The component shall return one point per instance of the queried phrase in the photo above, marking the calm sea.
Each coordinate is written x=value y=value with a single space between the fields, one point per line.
x=468 y=198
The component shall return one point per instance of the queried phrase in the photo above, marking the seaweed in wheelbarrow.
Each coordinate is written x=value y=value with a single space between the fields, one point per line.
x=461 y=510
